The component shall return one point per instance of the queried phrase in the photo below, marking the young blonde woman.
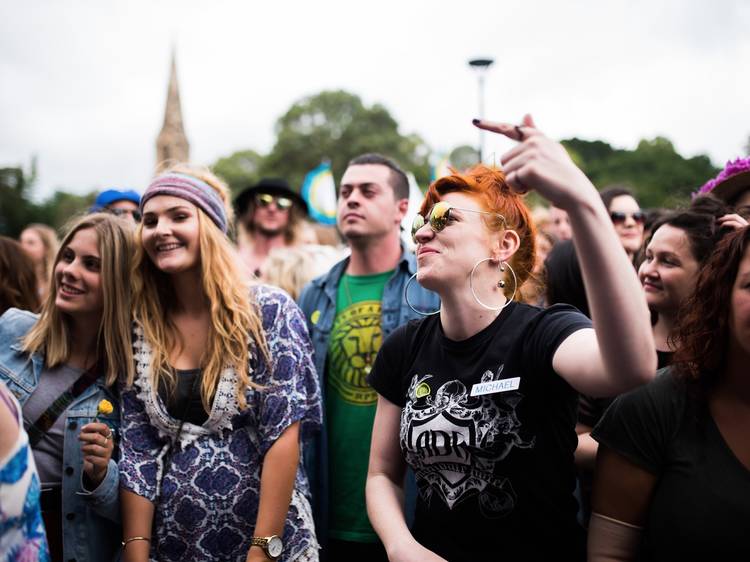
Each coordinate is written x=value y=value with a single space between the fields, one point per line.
x=224 y=393
x=40 y=242
x=62 y=365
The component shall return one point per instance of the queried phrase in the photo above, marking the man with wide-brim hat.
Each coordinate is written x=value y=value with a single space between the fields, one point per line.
x=270 y=215
x=732 y=185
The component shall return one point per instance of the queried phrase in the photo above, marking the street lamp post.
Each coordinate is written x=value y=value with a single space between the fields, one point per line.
x=480 y=66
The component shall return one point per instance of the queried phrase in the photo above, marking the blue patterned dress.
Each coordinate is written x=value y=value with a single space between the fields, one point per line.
x=22 y=537
x=208 y=503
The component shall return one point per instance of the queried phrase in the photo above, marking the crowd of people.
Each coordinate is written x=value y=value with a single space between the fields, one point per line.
x=188 y=377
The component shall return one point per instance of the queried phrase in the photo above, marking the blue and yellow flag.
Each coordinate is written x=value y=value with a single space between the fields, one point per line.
x=319 y=192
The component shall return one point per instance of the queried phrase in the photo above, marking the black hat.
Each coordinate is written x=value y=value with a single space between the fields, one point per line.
x=272 y=186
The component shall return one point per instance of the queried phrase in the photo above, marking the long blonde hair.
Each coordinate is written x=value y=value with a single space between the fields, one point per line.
x=235 y=320
x=51 y=334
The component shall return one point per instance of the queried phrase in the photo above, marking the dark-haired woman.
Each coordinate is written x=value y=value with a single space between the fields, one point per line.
x=627 y=216
x=680 y=244
x=673 y=472
x=480 y=398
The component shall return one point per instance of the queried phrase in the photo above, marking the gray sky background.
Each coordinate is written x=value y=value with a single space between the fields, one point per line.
x=84 y=82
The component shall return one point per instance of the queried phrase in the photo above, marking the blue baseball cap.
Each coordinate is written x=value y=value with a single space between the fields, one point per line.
x=106 y=198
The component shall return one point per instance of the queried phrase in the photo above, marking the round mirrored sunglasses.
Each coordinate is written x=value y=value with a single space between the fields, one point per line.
x=440 y=215
x=265 y=200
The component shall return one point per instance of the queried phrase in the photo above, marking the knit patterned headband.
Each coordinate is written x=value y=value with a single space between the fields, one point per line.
x=191 y=189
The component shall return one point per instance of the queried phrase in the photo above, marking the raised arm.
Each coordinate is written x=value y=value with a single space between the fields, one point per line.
x=619 y=353
x=385 y=489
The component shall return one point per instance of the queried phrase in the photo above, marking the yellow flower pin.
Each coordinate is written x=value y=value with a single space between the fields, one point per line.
x=105 y=407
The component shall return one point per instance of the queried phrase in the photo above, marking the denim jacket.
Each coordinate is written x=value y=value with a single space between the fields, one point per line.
x=318 y=303
x=90 y=519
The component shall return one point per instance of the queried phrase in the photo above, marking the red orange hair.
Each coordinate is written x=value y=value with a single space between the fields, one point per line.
x=488 y=186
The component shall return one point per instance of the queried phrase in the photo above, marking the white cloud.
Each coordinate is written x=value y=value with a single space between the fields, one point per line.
x=84 y=83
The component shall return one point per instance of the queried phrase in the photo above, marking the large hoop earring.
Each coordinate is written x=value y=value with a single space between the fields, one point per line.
x=406 y=298
x=500 y=284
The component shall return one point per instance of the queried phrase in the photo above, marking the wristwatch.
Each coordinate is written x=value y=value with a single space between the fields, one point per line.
x=272 y=545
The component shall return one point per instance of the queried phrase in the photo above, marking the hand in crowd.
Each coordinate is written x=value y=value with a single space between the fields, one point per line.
x=539 y=163
x=97 y=446
x=733 y=221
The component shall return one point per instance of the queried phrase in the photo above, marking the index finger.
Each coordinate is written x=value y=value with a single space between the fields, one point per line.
x=511 y=131
x=95 y=427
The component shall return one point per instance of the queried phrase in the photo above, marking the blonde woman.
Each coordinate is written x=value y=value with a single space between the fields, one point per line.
x=40 y=242
x=224 y=393
x=61 y=365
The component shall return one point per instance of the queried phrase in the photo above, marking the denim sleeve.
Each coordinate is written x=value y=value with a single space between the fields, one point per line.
x=105 y=498
x=140 y=461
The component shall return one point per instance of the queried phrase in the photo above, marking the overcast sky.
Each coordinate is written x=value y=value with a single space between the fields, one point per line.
x=83 y=83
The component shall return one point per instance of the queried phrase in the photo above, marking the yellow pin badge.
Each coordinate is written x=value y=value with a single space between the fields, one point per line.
x=422 y=390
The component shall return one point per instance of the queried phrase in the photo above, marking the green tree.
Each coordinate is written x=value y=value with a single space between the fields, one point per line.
x=240 y=169
x=657 y=174
x=16 y=208
x=63 y=206
x=336 y=126
x=463 y=157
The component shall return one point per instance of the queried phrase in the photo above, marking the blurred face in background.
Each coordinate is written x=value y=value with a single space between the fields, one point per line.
x=559 y=224
x=271 y=214
x=126 y=209
x=32 y=244
x=628 y=219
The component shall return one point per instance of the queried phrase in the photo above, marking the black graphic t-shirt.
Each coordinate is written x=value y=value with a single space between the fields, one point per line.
x=489 y=429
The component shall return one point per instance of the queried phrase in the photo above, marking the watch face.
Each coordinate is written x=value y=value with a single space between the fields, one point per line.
x=275 y=546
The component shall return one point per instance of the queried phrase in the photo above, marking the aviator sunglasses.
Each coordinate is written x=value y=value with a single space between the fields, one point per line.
x=619 y=218
x=439 y=217
x=265 y=199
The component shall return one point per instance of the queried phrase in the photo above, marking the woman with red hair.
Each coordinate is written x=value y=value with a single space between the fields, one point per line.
x=480 y=398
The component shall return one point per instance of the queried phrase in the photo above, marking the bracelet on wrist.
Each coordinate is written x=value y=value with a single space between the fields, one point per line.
x=131 y=539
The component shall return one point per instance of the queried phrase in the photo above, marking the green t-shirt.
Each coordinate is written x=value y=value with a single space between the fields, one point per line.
x=351 y=402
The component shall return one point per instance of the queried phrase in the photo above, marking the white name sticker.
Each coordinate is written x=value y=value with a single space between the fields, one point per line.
x=492 y=387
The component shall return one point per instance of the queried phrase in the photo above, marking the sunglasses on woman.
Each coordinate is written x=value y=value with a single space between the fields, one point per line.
x=122 y=212
x=439 y=217
x=265 y=200
x=619 y=218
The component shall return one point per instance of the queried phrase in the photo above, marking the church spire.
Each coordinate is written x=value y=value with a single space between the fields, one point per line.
x=172 y=145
